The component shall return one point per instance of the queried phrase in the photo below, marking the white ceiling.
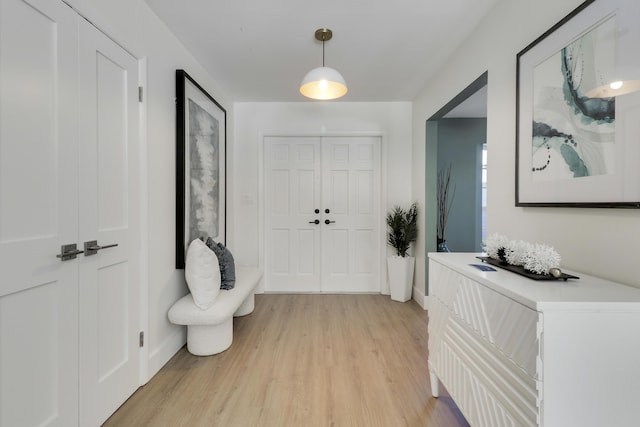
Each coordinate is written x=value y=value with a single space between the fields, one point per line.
x=259 y=50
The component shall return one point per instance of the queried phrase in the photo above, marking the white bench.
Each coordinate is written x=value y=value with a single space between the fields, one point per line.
x=210 y=331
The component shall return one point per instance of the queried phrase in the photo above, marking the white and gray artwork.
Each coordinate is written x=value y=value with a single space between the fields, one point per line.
x=574 y=135
x=204 y=173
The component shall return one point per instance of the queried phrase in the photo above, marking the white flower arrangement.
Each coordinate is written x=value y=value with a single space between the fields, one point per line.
x=516 y=252
x=534 y=257
x=494 y=243
x=541 y=258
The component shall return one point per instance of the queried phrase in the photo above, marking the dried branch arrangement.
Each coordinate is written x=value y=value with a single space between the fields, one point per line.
x=445 y=200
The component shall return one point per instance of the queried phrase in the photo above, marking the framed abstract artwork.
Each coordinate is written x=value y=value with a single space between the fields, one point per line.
x=578 y=110
x=200 y=166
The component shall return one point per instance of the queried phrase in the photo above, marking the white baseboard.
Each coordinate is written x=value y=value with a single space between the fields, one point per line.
x=420 y=297
x=165 y=351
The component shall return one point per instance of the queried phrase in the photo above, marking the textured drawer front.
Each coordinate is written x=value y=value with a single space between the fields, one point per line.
x=508 y=325
x=489 y=389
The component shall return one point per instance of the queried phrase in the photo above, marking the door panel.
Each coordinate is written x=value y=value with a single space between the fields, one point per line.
x=38 y=213
x=341 y=174
x=112 y=140
x=112 y=325
x=109 y=293
x=363 y=241
x=33 y=216
x=280 y=258
x=337 y=245
x=38 y=364
x=351 y=192
x=364 y=192
x=292 y=190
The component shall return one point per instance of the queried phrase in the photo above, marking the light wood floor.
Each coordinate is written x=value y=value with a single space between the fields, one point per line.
x=303 y=360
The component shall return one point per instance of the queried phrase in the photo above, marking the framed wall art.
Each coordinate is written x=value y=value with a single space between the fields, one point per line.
x=200 y=166
x=578 y=110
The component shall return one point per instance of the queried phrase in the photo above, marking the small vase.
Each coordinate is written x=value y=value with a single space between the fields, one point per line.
x=442 y=246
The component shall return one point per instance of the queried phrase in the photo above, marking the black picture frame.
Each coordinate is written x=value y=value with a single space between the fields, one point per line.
x=201 y=141
x=573 y=148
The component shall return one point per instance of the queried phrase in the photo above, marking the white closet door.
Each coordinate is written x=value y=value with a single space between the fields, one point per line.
x=351 y=195
x=109 y=278
x=340 y=175
x=292 y=194
x=69 y=351
x=38 y=214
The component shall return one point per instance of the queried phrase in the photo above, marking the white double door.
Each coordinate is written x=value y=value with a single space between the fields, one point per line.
x=322 y=214
x=69 y=352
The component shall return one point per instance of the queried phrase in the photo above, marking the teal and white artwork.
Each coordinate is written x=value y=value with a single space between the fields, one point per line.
x=573 y=136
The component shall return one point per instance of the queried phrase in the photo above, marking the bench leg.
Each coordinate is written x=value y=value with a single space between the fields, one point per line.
x=247 y=306
x=205 y=340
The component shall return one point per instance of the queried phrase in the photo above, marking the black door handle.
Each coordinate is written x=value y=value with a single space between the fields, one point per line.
x=327 y=211
x=317 y=211
x=316 y=222
x=326 y=221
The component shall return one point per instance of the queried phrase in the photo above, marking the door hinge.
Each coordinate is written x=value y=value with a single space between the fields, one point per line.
x=140 y=91
x=141 y=339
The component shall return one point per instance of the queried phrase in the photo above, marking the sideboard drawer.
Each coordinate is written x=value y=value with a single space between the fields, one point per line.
x=488 y=387
x=509 y=326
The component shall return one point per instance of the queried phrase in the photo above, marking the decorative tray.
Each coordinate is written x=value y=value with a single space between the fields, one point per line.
x=521 y=271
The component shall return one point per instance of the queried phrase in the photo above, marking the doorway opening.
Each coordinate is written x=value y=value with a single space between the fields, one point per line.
x=456 y=137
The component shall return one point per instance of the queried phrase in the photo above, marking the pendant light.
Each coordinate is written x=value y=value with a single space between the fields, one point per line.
x=615 y=75
x=617 y=87
x=618 y=79
x=323 y=82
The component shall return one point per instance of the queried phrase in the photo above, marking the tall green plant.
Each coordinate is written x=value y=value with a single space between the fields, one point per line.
x=402 y=228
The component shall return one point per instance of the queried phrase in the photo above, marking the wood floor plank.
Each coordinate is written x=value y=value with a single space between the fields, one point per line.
x=303 y=360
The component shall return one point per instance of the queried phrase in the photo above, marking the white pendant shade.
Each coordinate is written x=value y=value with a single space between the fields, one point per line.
x=323 y=83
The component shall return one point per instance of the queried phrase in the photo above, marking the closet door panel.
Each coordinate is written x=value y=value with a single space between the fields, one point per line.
x=38 y=214
x=109 y=278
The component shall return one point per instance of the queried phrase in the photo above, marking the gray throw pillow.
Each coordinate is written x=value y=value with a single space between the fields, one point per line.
x=227 y=264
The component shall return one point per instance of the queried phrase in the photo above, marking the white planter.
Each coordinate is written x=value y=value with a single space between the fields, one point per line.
x=400 y=272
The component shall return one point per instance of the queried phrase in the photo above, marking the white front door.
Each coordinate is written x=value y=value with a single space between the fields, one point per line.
x=109 y=285
x=351 y=204
x=68 y=149
x=322 y=222
x=38 y=214
x=292 y=195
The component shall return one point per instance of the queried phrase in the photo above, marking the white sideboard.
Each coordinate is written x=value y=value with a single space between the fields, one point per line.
x=513 y=351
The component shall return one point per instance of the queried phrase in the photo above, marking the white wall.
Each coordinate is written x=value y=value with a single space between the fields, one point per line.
x=132 y=24
x=254 y=120
x=135 y=27
x=601 y=242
